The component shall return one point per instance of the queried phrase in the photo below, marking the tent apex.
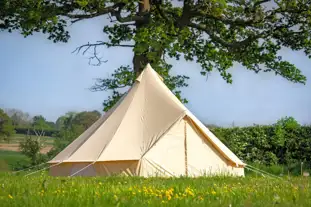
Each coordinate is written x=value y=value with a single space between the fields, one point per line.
x=150 y=69
x=148 y=66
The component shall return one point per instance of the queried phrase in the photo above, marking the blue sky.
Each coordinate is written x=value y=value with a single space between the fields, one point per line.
x=40 y=77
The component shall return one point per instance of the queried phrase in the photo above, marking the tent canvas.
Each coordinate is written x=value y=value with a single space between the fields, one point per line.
x=148 y=132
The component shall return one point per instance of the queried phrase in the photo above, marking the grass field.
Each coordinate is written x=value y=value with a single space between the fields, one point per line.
x=42 y=190
x=11 y=160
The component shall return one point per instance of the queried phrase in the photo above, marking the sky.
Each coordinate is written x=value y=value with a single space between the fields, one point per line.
x=41 y=77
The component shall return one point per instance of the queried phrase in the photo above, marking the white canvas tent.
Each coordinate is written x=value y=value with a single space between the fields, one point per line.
x=149 y=132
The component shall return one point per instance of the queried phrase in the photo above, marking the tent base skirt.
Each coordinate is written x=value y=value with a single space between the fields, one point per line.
x=97 y=169
x=125 y=168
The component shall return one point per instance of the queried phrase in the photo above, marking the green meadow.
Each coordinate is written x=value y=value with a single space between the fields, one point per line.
x=42 y=190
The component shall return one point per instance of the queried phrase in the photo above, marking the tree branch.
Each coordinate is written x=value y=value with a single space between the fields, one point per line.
x=88 y=46
x=104 y=11
x=197 y=11
x=114 y=10
x=235 y=44
x=99 y=43
x=104 y=85
x=238 y=22
x=129 y=18
x=99 y=60
x=245 y=42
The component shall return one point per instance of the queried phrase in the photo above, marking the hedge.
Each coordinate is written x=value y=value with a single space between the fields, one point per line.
x=269 y=145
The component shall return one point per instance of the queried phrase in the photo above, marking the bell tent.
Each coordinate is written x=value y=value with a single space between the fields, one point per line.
x=148 y=132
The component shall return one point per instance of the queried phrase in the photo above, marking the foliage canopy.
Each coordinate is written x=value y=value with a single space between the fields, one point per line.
x=72 y=124
x=214 y=33
x=285 y=142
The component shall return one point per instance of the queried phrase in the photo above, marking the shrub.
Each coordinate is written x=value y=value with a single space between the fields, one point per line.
x=283 y=143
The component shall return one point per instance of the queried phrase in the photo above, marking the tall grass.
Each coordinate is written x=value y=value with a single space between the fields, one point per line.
x=294 y=169
x=42 y=190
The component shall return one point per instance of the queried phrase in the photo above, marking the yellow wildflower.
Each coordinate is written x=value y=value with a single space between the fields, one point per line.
x=201 y=198
x=189 y=191
x=11 y=197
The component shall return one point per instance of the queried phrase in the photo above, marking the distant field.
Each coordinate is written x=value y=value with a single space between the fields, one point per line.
x=20 y=137
x=13 y=145
x=42 y=190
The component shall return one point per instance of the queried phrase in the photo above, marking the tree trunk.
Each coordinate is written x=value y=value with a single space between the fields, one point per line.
x=140 y=60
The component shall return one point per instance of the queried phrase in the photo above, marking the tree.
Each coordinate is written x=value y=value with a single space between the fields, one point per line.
x=214 y=33
x=39 y=125
x=66 y=126
x=31 y=148
x=6 y=127
x=73 y=124
x=58 y=146
x=86 y=118
x=19 y=118
x=60 y=122
x=51 y=125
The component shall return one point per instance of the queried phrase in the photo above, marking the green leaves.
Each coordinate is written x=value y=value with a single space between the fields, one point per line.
x=82 y=3
x=281 y=143
x=121 y=78
x=6 y=126
x=39 y=122
x=36 y=16
x=112 y=100
x=119 y=33
x=31 y=148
